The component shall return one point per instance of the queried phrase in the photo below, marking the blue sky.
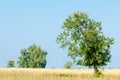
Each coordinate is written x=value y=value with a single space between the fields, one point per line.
x=27 y=22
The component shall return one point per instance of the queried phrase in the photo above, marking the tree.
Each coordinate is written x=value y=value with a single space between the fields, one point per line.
x=10 y=64
x=32 y=57
x=68 y=65
x=85 y=41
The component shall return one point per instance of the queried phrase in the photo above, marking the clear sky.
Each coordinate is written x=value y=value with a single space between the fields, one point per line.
x=27 y=22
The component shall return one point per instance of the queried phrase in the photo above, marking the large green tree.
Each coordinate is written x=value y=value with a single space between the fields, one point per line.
x=32 y=57
x=85 y=41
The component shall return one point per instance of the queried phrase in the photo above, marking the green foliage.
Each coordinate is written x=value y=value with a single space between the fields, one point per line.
x=32 y=57
x=11 y=64
x=68 y=65
x=85 y=41
x=98 y=74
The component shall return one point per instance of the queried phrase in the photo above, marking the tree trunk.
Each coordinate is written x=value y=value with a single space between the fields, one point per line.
x=97 y=73
x=96 y=69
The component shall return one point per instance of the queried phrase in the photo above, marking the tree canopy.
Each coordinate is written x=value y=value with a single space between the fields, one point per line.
x=85 y=41
x=32 y=57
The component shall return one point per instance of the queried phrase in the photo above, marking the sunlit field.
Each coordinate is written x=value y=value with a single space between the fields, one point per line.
x=56 y=74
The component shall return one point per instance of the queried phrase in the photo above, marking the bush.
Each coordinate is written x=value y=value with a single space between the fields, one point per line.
x=68 y=65
x=98 y=74
x=10 y=64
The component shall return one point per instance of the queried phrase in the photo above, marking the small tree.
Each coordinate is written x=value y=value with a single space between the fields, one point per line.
x=85 y=41
x=68 y=65
x=10 y=64
x=32 y=57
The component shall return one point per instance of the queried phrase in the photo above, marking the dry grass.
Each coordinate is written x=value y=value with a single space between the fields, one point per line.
x=56 y=74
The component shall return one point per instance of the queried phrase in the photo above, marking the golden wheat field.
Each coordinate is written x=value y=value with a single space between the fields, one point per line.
x=56 y=74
